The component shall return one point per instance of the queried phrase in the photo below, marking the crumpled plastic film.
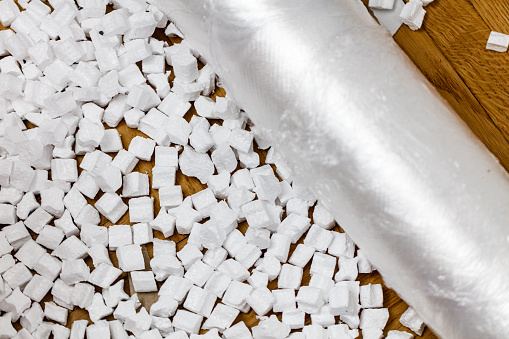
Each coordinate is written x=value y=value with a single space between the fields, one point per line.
x=360 y=125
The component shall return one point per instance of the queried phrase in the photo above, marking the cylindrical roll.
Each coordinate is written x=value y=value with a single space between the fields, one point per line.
x=358 y=122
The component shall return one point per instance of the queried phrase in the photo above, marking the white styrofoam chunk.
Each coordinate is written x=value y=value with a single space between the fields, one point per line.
x=166 y=156
x=141 y=209
x=164 y=223
x=239 y=330
x=115 y=110
x=119 y=235
x=236 y=294
x=170 y=196
x=249 y=255
x=50 y=237
x=221 y=318
x=319 y=238
x=9 y=12
x=196 y=165
x=294 y=318
x=142 y=148
x=294 y=226
x=104 y=275
x=347 y=269
x=175 y=287
x=125 y=161
x=200 y=301
x=18 y=275
x=132 y=117
x=497 y=42
x=412 y=14
x=398 y=335
x=309 y=299
x=187 y=321
x=371 y=296
x=412 y=320
x=164 y=307
x=173 y=104
x=71 y=248
x=7 y=214
x=97 y=310
x=290 y=277
x=130 y=258
x=261 y=300
x=111 y=141
x=374 y=318
x=55 y=313
x=271 y=327
x=381 y=4
x=143 y=281
x=64 y=169
x=142 y=97
x=99 y=254
x=142 y=233
x=270 y=265
x=135 y=185
x=111 y=206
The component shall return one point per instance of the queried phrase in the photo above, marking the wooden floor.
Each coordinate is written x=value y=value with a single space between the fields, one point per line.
x=450 y=51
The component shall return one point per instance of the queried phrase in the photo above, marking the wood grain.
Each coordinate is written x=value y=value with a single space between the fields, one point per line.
x=450 y=52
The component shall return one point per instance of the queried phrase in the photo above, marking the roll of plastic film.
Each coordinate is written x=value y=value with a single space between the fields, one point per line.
x=360 y=125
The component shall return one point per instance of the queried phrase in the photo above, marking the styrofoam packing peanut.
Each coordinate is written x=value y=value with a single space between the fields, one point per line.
x=413 y=14
x=381 y=4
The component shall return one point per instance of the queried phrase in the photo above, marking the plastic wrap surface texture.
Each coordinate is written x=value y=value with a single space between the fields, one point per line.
x=361 y=126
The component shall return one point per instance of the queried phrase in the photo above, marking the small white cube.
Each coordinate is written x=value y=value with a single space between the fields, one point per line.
x=142 y=233
x=135 y=184
x=125 y=161
x=119 y=235
x=166 y=156
x=323 y=264
x=130 y=258
x=374 y=318
x=170 y=196
x=290 y=277
x=64 y=170
x=199 y=273
x=200 y=301
x=217 y=284
x=498 y=42
x=141 y=209
x=163 y=176
x=381 y=4
x=142 y=148
x=221 y=318
x=309 y=299
x=412 y=320
x=261 y=300
x=111 y=141
x=301 y=255
x=187 y=321
x=111 y=206
x=236 y=294
x=294 y=318
x=371 y=296
x=143 y=281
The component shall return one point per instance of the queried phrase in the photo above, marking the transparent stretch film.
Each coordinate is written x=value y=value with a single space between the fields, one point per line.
x=361 y=126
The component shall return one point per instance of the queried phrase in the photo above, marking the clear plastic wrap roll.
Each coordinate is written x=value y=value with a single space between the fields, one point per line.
x=358 y=122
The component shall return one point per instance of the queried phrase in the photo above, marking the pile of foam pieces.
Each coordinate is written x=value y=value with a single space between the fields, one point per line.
x=412 y=14
x=68 y=77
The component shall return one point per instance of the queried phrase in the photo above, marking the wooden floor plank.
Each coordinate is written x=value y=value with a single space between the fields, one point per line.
x=495 y=13
x=436 y=68
x=461 y=33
